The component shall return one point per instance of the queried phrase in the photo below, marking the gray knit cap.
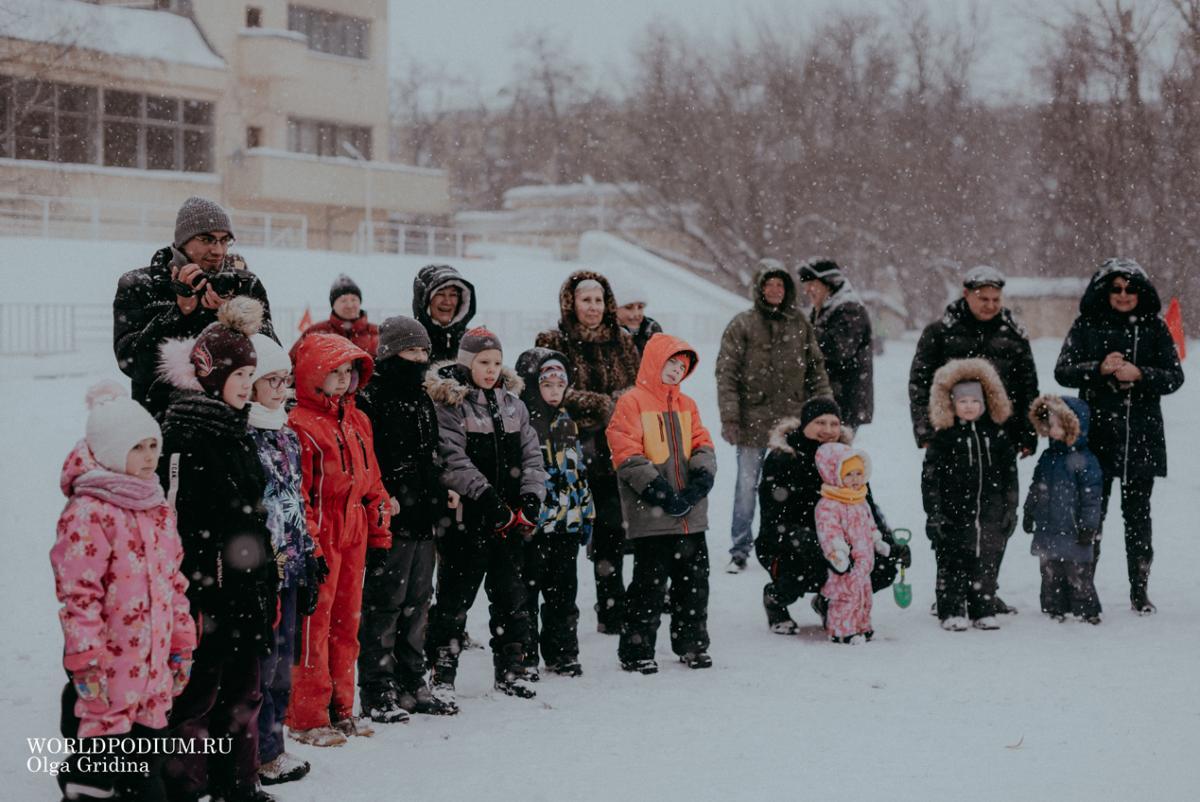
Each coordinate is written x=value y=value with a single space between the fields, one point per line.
x=400 y=332
x=199 y=216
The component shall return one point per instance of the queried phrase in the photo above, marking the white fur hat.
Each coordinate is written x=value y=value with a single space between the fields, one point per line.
x=116 y=424
x=271 y=356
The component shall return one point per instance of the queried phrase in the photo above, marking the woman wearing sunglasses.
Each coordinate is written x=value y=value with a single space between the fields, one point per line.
x=1120 y=355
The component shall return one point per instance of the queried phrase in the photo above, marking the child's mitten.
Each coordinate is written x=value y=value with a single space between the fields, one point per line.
x=659 y=494
x=91 y=684
x=181 y=672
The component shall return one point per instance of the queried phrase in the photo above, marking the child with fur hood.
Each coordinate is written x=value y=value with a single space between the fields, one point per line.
x=348 y=512
x=1062 y=510
x=127 y=630
x=849 y=539
x=968 y=486
x=216 y=484
x=493 y=462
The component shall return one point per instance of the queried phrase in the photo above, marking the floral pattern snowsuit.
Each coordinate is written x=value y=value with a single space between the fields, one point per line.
x=848 y=537
x=116 y=571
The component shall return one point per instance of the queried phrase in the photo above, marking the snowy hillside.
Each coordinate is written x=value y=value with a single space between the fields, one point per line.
x=1037 y=710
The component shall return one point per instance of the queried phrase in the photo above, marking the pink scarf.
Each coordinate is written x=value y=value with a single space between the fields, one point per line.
x=121 y=489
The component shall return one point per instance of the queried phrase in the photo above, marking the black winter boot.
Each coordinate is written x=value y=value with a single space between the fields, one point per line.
x=1139 y=582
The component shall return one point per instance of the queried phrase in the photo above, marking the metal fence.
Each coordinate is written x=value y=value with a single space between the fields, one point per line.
x=102 y=219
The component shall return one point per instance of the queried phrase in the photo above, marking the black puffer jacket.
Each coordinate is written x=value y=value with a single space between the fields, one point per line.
x=648 y=328
x=430 y=279
x=1127 y=433
x=960 y=335
x=145 y=314
x=406 y=446
x=218 y=496
x=843 y=330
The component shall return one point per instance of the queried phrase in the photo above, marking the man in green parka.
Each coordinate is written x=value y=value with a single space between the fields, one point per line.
x=769 y=365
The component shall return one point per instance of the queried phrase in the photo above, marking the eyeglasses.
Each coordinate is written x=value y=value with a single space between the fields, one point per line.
x=1128 y=289
x=220 y=242
x=275 y=382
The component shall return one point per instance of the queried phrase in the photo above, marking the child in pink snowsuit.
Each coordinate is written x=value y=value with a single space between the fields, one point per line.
x=126 y=624
x=849 y=538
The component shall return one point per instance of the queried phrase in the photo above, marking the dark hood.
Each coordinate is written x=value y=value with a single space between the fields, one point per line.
x=788 y=307
x=1095 y=298
x=430 y=279
x=529 y=367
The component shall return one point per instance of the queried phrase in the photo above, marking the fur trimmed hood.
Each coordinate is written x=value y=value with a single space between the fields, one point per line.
x=832 y=456
x=449 y=383
x=1072 y=413
x=941 y=407
x=608 y=329
x=784 y=433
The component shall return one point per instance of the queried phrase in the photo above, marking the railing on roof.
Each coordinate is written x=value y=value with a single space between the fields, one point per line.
x=102 y=219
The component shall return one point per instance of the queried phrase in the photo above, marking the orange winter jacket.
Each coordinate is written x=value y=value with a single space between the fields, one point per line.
x=656 y=431
x=343 y=486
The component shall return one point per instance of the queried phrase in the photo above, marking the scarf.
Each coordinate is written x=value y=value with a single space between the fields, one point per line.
x=844 y=494
x=263 y=418
x=120 y=489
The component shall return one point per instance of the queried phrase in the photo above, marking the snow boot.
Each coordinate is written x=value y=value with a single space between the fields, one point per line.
x=736 y=565
x=531 y=673
x=514 y=683
x=424 y=702
x=569 y=667
x=1139 y=583
x=987 y=622
x=1002 y=608
x=955 y=623
x=788 y=627
x=820 y=606
x=284 y=769
x=353 y=726
x=644 y=666
x=318 y=736
x=384 y=708
x=696 y=660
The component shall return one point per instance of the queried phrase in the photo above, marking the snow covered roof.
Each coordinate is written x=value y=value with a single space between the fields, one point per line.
x=1044 y=286
x=564 y=192
x=117 y=31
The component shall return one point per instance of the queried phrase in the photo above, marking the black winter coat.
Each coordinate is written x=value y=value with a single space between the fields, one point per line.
x=1127 y=433
x=959 y=335
x=788 y=493
x=969 y=485
x=145 y=314
x=648 y=328
x=406 y=445
x=218 y=497
x=843 y=330
x=445 y=339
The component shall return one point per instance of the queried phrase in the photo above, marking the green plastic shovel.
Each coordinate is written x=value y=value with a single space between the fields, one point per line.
x=901 y=589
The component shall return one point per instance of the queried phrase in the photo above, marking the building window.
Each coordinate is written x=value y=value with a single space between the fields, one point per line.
x=323 y=138
x=49 y=121
x=253 y=17
x=330 y=32
x=253 y=137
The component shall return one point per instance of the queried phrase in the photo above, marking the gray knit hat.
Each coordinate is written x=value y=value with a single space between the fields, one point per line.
x=476 y=341
x=199 y=216
x=400 y=332
x=343 y=285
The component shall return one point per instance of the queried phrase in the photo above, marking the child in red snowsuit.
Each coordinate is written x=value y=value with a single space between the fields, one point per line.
x=347 y=510
x=849 y=539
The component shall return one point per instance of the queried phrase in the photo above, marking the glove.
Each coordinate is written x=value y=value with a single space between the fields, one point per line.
x=1087 y=537
x=659 y=494
x=181 y=672
x=376 y=561
x=306 y=599
x=902 y=554
x=316 y=570
x=700 y=482
x=531 y=506
x=495 y=512
x=585 y=534
x=730 y=432
x=91 y=684
x=933 y=531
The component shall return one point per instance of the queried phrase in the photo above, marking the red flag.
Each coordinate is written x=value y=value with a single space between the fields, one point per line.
x=305 y=321
x=1175 y=326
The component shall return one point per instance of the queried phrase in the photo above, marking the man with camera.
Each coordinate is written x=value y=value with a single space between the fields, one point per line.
x=177 y=296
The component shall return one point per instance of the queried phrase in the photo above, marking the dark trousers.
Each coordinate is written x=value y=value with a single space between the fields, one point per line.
x=607 y=553
x=805 y=570
x=220 y=701
x=467 y=560
x=139 y=785
x=966 y=582
x=395 y=616
x=1069 y=587
x=275 y=673
x=682 y=561
x=551 y=572
x=1135 y=509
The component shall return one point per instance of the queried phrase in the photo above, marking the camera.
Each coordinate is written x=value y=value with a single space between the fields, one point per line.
x=232 y=279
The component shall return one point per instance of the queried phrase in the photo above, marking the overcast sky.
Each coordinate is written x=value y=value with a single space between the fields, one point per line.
x=474 y=38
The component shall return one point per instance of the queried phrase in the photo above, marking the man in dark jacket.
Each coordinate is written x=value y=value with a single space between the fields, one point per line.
x=978 y=325
x=444 y=302
x=1120 y=355
x=178 y=296
x=398 y=585
x=768 y=366
x=843 y=330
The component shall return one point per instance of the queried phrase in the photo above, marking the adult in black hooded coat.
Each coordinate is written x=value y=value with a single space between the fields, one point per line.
x=843 y=329
x=1120 y=355
x=444 y=303
x=788 y=493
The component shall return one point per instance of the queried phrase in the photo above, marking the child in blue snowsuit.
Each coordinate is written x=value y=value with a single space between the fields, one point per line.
x=1062 y=510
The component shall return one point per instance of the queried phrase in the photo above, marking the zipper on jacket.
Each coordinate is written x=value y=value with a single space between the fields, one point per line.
x=1128 y=414
x=978 y=492
x=676 y=448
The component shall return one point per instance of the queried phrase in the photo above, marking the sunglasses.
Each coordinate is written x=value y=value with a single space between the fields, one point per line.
x=209 y=240
x=1128 y=289
x=275 y=382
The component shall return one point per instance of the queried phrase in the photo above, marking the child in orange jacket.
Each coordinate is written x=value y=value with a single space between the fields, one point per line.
x=665 y=465
x=347 y=510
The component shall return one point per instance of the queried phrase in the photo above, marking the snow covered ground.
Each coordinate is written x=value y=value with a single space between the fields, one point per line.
x=1037 y=710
